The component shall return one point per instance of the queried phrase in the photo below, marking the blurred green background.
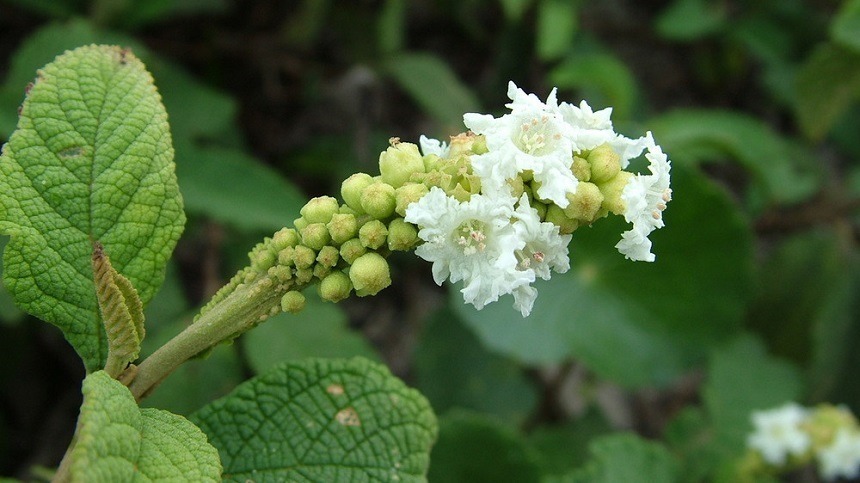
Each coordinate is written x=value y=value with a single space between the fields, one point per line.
x=754 y=298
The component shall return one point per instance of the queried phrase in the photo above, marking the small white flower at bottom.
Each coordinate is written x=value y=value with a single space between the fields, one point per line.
x=841 y=458
x=778 y=433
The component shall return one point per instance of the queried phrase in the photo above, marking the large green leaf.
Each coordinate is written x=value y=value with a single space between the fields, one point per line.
x=826 y=85
x=556 y=26
x=687 y=20
x=117 y=441
x=845 y=28
x=629 y=458
x=633 y=322
x=322 y=420
x=91 y=160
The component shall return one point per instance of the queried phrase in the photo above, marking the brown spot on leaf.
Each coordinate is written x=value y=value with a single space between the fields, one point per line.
x=347 y=417
x=335 y=390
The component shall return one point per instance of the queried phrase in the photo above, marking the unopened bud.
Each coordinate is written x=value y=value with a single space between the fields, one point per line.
x=319 y=209
x=315 y=236
x=431 y=163
x=262 y=257
x=303 y=257
x=612 y=190
x=281 y=272
x=372 y=234
x=581 y=169
x=378 y=200
x=556 y=216
x=351 y=188
x=328 y=256
x=286 y=257
x=585 y=203
x=406 y=195
x=352 y=249
x=304 y=275
x=399 y=162
x=605 y=163
x=401 y=235
x=293 y=302
x=300 y=223
x=335 y=287
x=369 y=274
x=342 y=227
x=285 y=237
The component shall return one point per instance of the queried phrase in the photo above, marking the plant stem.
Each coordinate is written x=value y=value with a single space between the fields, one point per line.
x=243 y=309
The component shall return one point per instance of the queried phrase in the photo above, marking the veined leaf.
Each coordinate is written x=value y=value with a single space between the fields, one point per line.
x=322 y=420
x=91 y=159
x=117 y=441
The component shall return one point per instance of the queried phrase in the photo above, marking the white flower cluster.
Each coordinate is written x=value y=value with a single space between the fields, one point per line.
x=496 y=242
x=787 y=431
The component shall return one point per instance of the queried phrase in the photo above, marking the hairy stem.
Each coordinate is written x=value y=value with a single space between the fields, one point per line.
x=246 y=307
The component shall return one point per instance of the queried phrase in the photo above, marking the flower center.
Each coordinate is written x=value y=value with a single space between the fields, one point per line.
x=527 y=256
x=534 y=135
x=470 y=237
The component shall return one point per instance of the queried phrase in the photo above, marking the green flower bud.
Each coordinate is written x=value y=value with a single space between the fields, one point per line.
x=262 y=257
x=315 y=236
x=321 y=271
x=612 y=190
x=285 y=237
x=335 y=287
x=300 y=223
x=406 y=195
x=460 y=193
x=346 y=210
x=369 y=274
x=342 y=227
x=605 y=163
x=398 y=162
x=401 y=235
x=352 y=249
x=581 y=169
x=281 y=272
x=304 y=275
x=378 y=200
x=303 y=257
x=293 y=302
x=825 y=421
x=320 y=209
x=372 y=234
x=431 y=163
x=585 y=203
x=328 y=256
x=556 y=216
x=351 y=188
x=286 y=256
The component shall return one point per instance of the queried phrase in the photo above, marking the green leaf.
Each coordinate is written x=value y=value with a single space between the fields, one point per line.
x=117 y=441
x=452 y=369
x=322 y=420
x=514 y=9
x=627 y=458
x=827 y=83
x=475 y=448
x=687 y=20
x=603 y=79
x=320 y=330
x=391 y=26
x=91 y=159
x=637 y=323
x=556 y=26
x=433 y=85
x=563 y=447
x=9 y=312
x=845 y=28
x=780 y=167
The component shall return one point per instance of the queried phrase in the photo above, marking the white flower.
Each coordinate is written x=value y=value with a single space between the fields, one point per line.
x=472 y=241
x=778 y=433
x=433 y=146
x=645 y=197
x=533 y=136
x=842 y=457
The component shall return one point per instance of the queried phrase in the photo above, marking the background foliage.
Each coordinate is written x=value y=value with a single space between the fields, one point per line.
x=754 y=298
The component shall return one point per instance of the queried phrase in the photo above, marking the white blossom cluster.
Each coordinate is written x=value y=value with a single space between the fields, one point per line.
x=787 y=432
x=496 y=243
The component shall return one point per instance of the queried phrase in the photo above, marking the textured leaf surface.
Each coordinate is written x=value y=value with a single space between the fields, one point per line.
x=628 y=458
x=117 y=441
x=636 y=323
x=91 y=160
x=322 y=420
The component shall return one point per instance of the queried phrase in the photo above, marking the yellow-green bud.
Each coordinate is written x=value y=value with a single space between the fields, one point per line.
x=372 y=234
x=285 y=237
x=262 y=257
x=825 y=421
x=315 y=236
x=304 y=257
x=304 y=275
x=398 y=162
x=346 y=210
x=401 y=235
x=581 y=169
x=406 y=195
x=293 y=302
x=335 y=287
x=300 y=223
x=612 y=190
x=431 y=162
x=351 y=188
x=556 y=216
x=378 y=200
x=369 y=274
x=605 y=163
x=286 y=257
x=352 y=249
x=585 y=203
x=342 y=227
x=321 y=271
x=319 y=209
x=328 y=256
x=281 y=272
